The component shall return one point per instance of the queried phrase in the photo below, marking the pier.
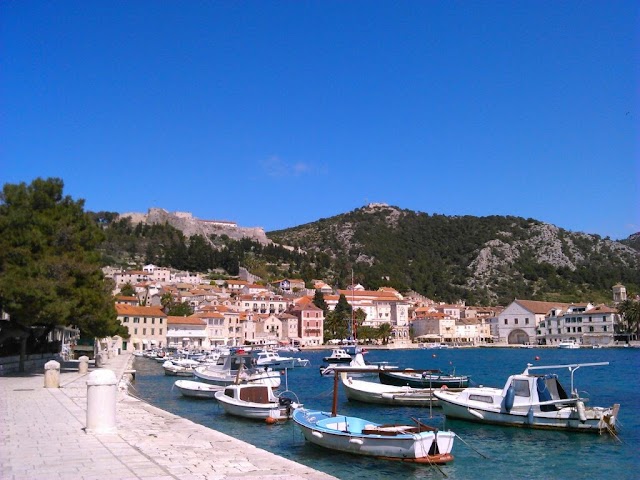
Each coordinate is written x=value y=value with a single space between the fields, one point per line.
x=44 y=435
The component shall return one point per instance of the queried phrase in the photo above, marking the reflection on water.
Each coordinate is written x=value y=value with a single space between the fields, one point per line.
x=512 y=452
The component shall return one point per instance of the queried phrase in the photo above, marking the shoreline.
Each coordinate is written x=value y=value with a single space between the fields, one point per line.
x=44 y=436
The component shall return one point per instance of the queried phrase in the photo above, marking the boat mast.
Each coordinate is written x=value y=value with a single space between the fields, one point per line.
x=352 y=327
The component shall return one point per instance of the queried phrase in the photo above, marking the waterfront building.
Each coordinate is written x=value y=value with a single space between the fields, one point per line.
x=310 y=323
x=187 y=333
x=586 y=325
x=147 y=327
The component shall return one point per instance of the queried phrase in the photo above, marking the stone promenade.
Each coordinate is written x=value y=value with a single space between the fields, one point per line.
x=42 y=436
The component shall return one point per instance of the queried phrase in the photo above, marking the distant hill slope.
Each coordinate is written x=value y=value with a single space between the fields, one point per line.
x=481 y=259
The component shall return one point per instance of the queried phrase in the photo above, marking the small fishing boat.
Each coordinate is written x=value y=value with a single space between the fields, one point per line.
x=415 y=442
x=234 y=370
x=358 y=367
x=423 y=378
x=256 y=401
x=273 y=360
x=377 y=393
x=179 y=368
x=193 y=389
x=569 y=344
x=533 y=401
x=338 y=355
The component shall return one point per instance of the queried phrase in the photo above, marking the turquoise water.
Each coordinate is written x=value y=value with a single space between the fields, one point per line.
x=511 y=452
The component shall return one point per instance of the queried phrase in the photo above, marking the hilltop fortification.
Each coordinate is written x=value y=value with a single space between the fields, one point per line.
x=190 y=225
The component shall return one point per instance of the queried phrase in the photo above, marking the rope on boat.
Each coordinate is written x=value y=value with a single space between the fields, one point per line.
x=475 y=450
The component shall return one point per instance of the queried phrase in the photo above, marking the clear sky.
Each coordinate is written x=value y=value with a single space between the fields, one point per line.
x=276 y=114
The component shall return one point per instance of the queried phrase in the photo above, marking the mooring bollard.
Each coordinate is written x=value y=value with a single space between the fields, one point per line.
x=99 y=360
x=52 y=374
x=83 y=365
x=102 y=389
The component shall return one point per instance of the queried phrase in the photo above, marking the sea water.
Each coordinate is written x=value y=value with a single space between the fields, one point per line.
x=481 y=451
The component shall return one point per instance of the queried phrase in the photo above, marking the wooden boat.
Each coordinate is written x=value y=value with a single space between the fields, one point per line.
x=193 y=389
x=234 y=370
x=409 y=443
x=423 y=378
x=377 y=393
x=533 y=401
x=256 y=401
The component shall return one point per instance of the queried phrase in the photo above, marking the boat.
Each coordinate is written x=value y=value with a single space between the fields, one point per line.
x=190 y=388
x=423 y=378
x=276 y=361
x=233 y=369
x=380 y=394
x=533 y=401
x=273 y=360
x=179 y=368
x=257 y=402
x=338 y=355
x=415 y=442
x=569 y=344
x=358 y=367
x=434 y=346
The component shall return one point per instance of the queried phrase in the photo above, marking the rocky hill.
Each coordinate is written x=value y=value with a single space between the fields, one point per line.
x=190 y=225
x=488 y=259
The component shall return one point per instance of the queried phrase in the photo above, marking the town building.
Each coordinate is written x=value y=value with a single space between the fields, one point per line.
x=147 y=327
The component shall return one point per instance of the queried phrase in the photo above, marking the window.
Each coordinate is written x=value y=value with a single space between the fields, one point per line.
x=160 y=331
x=521 y=388
x=145 y=320
x=135 y=331
x=481 y=398
x=160 y=321
x=506 y=322
x=144 y=331
x=604 y=328
x=153 y=331
x=515 y=321
x=125 y=320
x=526 y=321
x=136 y=320
x=153 y=320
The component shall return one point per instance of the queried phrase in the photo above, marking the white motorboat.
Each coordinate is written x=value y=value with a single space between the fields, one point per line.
x=533 y=401
x=378 y=393
x=358 y=367
x=417 y=443
x=180 y=368
x=273 y=360
x=569 y=344
x=338 y=355
x=190 y=388
x=256 y=401
x=234 y=370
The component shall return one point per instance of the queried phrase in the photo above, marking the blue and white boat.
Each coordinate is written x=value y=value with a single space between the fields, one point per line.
x=533 y=401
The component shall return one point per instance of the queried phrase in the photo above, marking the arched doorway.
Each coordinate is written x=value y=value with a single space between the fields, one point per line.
x=518 y=337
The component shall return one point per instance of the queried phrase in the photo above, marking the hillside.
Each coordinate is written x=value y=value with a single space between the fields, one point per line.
x=484 y=260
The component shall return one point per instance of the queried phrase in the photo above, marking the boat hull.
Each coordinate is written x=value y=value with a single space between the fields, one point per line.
x=417 y=380
x=370 y=392
x=354 y=435
x=596 y=419
x=197 y=389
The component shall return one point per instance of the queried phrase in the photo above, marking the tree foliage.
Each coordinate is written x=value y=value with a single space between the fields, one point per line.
x=49 y=266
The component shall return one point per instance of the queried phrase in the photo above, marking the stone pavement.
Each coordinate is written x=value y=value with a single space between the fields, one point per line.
x=42 y=436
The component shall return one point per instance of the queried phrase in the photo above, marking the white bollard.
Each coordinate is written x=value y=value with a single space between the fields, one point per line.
x=52 y=374
x=83 y=365
x=102 y=389
x=110 y=353
x=99 y=360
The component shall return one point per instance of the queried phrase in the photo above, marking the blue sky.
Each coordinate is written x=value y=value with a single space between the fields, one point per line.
x=276 y=114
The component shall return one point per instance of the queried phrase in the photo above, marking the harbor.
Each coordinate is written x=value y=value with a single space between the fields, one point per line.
x=44 y=435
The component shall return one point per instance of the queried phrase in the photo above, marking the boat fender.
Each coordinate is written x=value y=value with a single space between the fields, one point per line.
x=270 y=420
x=389 y=396
x=317 y=434
x=530 y=416
x=476 y=413
x=582 y=414
x=509 y=399
x=357 y=441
